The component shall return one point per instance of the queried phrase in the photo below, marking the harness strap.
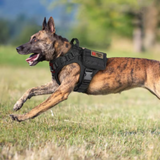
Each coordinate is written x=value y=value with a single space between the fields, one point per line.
x=74 y=55
x=88 y=75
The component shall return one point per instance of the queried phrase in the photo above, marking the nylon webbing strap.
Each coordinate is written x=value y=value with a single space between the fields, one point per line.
x=88 y=75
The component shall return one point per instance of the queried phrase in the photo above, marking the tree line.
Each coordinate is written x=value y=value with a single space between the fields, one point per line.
x=99 y=21
x=17 y=31
x=96 y=23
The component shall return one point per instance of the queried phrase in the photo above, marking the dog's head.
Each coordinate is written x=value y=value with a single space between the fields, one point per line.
x=41 y=44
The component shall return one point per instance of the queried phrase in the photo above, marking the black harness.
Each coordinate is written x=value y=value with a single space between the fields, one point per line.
x=89 y=61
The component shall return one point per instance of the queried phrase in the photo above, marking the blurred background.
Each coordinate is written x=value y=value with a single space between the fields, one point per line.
x=122 y=25
x=121 y=126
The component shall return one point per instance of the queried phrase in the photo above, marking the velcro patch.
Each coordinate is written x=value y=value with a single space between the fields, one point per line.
x=94 y=60
x=97 y=54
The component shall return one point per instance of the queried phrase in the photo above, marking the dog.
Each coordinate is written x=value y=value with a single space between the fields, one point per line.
x=120 y=73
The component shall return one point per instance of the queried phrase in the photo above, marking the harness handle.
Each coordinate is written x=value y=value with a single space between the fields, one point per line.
x=77 y=41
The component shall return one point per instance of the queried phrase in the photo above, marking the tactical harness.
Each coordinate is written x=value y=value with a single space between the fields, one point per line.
x=90 y=63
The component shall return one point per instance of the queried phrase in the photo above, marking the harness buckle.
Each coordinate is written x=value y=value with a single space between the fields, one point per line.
x=88 y=75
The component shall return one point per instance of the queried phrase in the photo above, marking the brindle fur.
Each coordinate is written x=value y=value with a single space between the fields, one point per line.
x=120 y=73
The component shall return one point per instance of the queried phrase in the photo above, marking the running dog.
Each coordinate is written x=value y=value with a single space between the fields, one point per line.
x=120 y=73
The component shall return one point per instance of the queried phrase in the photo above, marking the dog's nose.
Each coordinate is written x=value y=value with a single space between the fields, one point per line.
x=19 y=48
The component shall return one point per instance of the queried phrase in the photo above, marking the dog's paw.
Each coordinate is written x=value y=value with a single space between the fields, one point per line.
x=15 y=118
x=18 y=106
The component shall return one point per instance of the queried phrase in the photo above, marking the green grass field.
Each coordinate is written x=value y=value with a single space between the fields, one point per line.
x=117 y=126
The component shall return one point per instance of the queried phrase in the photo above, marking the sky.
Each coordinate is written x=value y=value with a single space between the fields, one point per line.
x=37 y=9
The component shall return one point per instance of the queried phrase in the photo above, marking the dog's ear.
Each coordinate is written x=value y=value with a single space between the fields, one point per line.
x=44 y=24
x=51 y=27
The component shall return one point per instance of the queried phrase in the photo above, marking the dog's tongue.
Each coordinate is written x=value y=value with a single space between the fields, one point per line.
x=32 y=58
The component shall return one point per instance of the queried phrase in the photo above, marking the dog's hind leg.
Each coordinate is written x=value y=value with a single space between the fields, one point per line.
x=153 y=84
x=155 y=90
x=48 y=88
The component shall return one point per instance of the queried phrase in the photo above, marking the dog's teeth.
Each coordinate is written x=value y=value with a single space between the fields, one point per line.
x=37 y=57
x=32 y=59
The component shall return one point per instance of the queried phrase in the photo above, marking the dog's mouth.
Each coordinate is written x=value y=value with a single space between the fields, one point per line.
x=33 y=59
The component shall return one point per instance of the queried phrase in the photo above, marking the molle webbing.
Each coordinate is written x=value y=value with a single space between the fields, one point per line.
x=90 y=63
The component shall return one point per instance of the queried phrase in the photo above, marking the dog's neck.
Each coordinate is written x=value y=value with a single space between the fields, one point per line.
x=61 y=45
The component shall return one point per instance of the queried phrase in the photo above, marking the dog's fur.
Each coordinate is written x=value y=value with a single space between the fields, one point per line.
x=120 y=73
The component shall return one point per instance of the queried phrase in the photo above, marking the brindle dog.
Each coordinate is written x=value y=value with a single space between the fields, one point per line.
x=120 y=73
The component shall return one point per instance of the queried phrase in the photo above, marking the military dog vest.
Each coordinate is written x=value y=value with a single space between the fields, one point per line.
x=90 y=63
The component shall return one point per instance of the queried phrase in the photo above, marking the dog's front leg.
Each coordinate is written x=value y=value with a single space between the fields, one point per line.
x=59 y=95
x=69 y=76
x=48 y=88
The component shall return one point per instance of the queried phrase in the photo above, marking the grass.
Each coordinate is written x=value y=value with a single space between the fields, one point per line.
x=120 y=126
